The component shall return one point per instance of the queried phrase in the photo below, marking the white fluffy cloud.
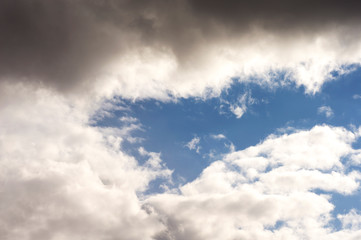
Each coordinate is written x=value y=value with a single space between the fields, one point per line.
x=62 y=179
x=307 y=61
x=267 y=191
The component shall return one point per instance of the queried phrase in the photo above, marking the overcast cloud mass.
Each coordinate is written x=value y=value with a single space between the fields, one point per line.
x=68 y=66
x=142 y=49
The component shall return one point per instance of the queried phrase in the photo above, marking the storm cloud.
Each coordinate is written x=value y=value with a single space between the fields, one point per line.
x=170 y=45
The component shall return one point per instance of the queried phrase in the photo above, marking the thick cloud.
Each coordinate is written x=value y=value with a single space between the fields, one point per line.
x=268 y=191
x=142 y=49
x=62 y=179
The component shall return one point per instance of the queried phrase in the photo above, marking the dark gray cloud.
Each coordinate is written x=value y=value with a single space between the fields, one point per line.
x=55 y=41
x=280 y=14
x=66 y=44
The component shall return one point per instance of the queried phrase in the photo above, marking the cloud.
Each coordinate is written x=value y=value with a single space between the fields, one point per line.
x=128 y=119
x=241 y=106
x=356 y=96
x=141 y=49
x=218 y=136
x=267 y=191
x=351 y=220
x=238 y=111
x=61 y=63
x=326 y=110
x=63 y=179
x=194 y=144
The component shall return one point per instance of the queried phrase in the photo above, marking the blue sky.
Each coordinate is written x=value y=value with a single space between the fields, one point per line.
x=167 y=127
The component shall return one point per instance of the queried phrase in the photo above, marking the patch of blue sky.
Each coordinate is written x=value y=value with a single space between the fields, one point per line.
x=276 y=226
x=167 y=127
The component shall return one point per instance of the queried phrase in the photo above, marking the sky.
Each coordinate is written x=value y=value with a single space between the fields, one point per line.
x=180 y=120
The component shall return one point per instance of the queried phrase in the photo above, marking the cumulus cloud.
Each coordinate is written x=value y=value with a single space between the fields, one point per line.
x=326 y=110
x=267 y=191
x=142 y=49
x=62 y=179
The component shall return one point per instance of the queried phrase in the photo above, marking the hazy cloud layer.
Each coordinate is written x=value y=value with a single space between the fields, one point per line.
x=184 y=48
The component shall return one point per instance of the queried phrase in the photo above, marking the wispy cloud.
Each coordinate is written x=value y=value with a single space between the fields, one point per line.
x=194 y=144
x=128 y=119
x=218 y=136
x=240 y=107
x=325 y=110
x=356 y=96
x=238 y=110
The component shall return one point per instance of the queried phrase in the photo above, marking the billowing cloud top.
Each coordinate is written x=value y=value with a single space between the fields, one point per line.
x=142 y=49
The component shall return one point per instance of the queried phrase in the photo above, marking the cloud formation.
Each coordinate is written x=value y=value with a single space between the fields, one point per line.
x=63 y=179
x=268 y=191
x=142 y=49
